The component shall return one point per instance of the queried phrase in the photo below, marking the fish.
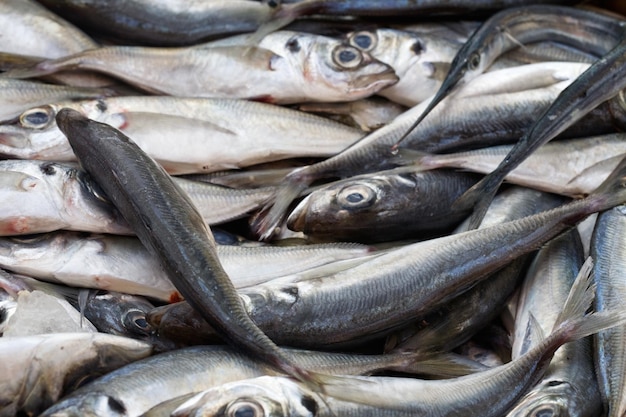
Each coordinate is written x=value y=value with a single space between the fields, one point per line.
x=568 y=387
x=255 y=132
x=419 y=60
x=171 y=228
x=375 y=396
x=572 y=167
x=387 y=205
x=28 y=28
x=511 y=28
x=607 y=242
x=285 y=67
x=42 y=196
x=601 y=81
x=453 y=324
x=485 y=110
x=171 y=24
x=42 y=368
x=191 y=370
x=378 y=296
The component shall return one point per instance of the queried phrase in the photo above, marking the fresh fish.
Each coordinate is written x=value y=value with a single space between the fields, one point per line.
x=40 y=196
x=192 y=370
x=20 y=95
x=254 y=132
x=572 y=167
x=421 y=61
x=509 y=29
x=568 y=387
x=462 y=317
x=607 y=246
x=170 y=23
x=387 y=205
x=37 y=370
x=394 y=289
x=171 y=228
x=472 y=395
x=27 y=28
x=601 y=81
x=285 y=67
x=484 y=111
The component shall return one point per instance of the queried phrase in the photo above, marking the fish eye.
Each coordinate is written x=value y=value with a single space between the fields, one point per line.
x=135 y=321
x=363 y=40
x=418 y=47
x=356 y=196
x=36 y=118
x=473 y=62
x=347 y=56
x=245 y=408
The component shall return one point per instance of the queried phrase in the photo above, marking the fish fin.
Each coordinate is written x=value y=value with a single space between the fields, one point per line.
x=165 y=122
x=598 y=166
x=438 y=70
x=441 y=365
x=83 y=298
x=574 y=322
x=49 y=66
x=478 y=198
x=266 y=221
x=612 y=191
x=419 y=160
x=284 y=15
x=342 y=388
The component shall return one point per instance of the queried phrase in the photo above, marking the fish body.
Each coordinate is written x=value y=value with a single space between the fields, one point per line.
x=218 y=133
x=172 y=229
x=607 y=246
x=38 y=370
x=386 y=205
x=285 y=67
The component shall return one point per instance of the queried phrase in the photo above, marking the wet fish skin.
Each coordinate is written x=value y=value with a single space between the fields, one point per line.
x=28 y=28
x=511 y=28
x=472 y=395
x=284 y=68
x=607 y=245
x=167 y=24
x=42 y=196
x=601 y=81
x=163 y=217
x=386 y=205
x=568 y=386
x=250 y=128
x=42 y=368
x=425 y=276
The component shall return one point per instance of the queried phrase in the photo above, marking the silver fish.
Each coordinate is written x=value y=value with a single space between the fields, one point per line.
x=480 y=394
x=211 y=134
x=286 y=67
x=37 y=370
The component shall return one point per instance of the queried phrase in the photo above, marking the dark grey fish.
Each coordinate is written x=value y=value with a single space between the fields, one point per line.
x=171 y=228
x=585 y=30
x=602 y=81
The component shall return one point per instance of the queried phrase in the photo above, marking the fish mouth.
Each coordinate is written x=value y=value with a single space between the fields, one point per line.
x=375 y=82
x=297 y=219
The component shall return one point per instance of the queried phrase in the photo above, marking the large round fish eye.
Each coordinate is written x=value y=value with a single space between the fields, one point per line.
x=245 y=408
x=363 y=40
x=347 y=56
x=473 y=62
x=37 y=118
x=356 y=196
x=135 y=321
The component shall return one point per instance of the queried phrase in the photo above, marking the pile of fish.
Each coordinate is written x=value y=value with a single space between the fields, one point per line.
x=312 y=208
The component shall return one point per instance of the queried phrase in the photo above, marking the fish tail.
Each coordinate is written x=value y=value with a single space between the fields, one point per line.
x=265 y=223
x=574 y=323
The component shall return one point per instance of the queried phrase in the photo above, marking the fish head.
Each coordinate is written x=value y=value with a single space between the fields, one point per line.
x=332 y=70
x=551 y=398
x=257 y=397
x=34 y=135
x=340 y=210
